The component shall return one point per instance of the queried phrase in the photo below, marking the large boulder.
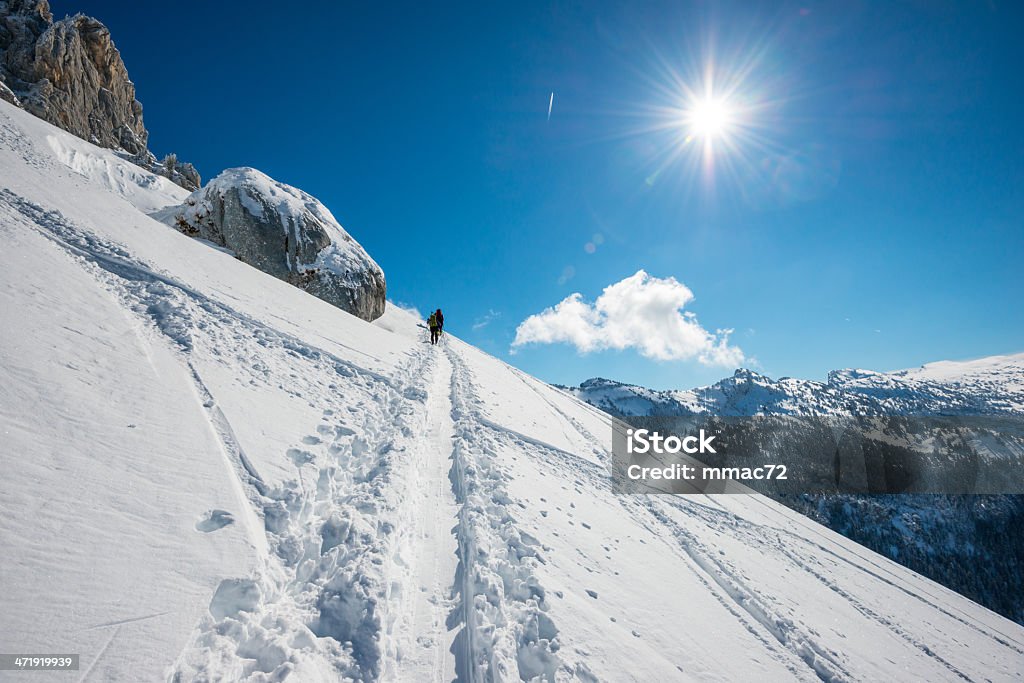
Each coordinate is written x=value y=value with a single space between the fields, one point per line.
x=70 y=73
x=285 y=232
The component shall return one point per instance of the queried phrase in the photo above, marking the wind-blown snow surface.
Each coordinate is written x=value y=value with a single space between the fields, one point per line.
x=210 y=475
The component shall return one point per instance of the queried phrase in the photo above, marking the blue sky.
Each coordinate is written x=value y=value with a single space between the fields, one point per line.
x=865 y=209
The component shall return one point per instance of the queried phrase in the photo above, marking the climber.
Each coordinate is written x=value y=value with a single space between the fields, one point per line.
x=440 y=322
x=434 y=328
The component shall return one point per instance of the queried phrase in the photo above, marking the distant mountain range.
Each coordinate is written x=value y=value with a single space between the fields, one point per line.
x=988 y=386
x=971 y=544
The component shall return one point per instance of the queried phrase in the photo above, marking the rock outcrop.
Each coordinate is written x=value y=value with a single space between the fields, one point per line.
x=285 y=232
x=70 y=73
x=179 y=172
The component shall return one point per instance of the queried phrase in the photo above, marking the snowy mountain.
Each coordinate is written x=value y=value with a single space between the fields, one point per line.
x=968 y=543
x=211 y=475
x=988 y=386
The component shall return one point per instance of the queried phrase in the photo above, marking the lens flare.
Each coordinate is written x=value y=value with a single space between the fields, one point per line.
x=714 y=116
x=709 y=118
x=714 y=119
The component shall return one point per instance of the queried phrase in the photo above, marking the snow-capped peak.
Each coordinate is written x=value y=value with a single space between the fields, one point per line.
x=984 y=386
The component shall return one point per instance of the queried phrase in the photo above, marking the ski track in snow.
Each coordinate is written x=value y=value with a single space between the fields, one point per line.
x=506 y=632
x=329 y=533
x=879 y=573
x=755 y=618
x=319 y=564
x=823 y=663
x=801 y=653
x=99 y=655
x=427 y=563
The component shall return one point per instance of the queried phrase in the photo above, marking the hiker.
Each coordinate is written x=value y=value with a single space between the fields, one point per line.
x=440 y=322
x=434 y=328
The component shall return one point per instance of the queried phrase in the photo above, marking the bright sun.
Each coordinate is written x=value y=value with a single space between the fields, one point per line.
x=712 y=121
x=708 y=118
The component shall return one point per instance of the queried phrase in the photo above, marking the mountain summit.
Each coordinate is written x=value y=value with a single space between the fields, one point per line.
x=987 y=386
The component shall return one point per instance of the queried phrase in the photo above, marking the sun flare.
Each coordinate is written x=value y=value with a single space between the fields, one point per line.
x=709 y=118
x=715 y=120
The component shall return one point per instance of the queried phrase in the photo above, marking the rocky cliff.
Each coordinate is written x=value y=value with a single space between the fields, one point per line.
x=285 y=232
x=70 y=73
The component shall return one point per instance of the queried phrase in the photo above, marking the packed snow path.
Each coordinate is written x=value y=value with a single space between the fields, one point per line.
x=210 y=475
x=426 y=650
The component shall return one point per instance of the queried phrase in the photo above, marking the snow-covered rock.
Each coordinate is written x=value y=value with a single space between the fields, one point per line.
x=285 y=232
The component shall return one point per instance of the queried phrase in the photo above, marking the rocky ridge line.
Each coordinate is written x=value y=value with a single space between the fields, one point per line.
x=70 y=73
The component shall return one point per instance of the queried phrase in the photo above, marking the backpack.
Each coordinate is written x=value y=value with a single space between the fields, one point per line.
x=432 y=321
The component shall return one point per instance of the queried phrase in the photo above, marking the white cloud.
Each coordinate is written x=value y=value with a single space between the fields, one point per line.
x=486 y=319
x=640 y=312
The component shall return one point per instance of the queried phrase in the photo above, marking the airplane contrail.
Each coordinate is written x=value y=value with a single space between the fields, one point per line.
x=551 y=103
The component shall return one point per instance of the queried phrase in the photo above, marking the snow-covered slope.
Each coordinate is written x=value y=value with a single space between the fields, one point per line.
x=984 y=386
x=210 y=475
